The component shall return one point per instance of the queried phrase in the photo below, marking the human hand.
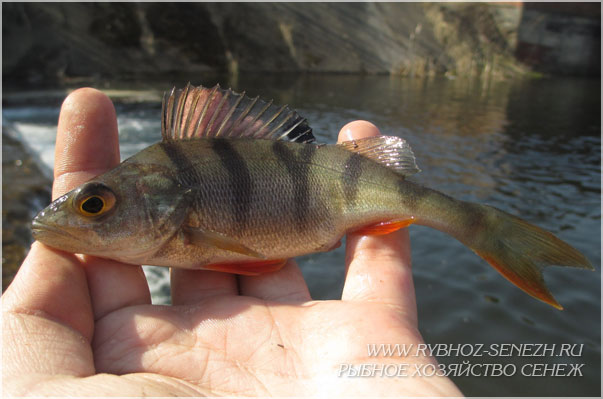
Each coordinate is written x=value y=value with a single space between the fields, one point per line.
x=80 y=325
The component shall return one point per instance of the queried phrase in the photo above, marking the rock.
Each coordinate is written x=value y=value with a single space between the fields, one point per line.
x=561 y=38
x=50 y=43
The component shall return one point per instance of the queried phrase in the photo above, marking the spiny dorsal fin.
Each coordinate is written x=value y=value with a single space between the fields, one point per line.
x=195 y=112
x=390 y=151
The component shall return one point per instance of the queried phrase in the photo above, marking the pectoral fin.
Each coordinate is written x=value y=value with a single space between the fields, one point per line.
x=197 y=236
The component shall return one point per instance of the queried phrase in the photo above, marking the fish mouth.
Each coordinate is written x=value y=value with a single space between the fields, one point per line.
x=40 y=229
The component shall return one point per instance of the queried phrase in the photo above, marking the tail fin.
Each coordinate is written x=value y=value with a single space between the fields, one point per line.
x=520 y=250
x=514 y=247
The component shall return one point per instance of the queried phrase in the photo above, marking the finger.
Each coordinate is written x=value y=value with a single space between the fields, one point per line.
x=87 y=141
x=379 y=270
x=378 y=267
x=87 y=145
x=49 y=284
x=286 y=285
x=114 y=285
x=192 y=286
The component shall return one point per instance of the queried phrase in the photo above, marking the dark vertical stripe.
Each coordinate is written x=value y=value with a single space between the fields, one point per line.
x=302 y=190
x=183 y=175
x=351 y=176
x=184 y=168
x=174 y=153
x=240 y=180
x=411 y=194
x=298 y=167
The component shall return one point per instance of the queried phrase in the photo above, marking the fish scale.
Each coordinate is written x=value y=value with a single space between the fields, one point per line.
x=278 y=204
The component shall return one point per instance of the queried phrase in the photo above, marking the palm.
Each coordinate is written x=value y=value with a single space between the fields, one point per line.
x=242 y=345
x=66 y=316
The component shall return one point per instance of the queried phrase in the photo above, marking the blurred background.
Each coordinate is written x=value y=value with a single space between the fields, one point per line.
x=500 y=101
x=48 y=43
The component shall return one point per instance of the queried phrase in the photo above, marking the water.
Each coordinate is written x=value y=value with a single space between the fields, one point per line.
x=531 y=148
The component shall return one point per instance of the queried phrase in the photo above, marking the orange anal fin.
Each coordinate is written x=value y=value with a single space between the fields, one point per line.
x=248 y=268
x=384 y=227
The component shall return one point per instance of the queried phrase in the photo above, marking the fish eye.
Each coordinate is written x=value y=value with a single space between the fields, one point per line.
x=92 y=205
x=94 y=200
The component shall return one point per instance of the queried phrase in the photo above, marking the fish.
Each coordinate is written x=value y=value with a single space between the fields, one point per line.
x=240 y=185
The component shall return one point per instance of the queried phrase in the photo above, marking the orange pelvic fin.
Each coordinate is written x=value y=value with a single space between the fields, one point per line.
x=384 y=227
x=248 y=268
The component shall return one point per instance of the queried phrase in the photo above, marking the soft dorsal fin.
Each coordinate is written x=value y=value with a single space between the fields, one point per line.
x=195 y=112
x=390 y=151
